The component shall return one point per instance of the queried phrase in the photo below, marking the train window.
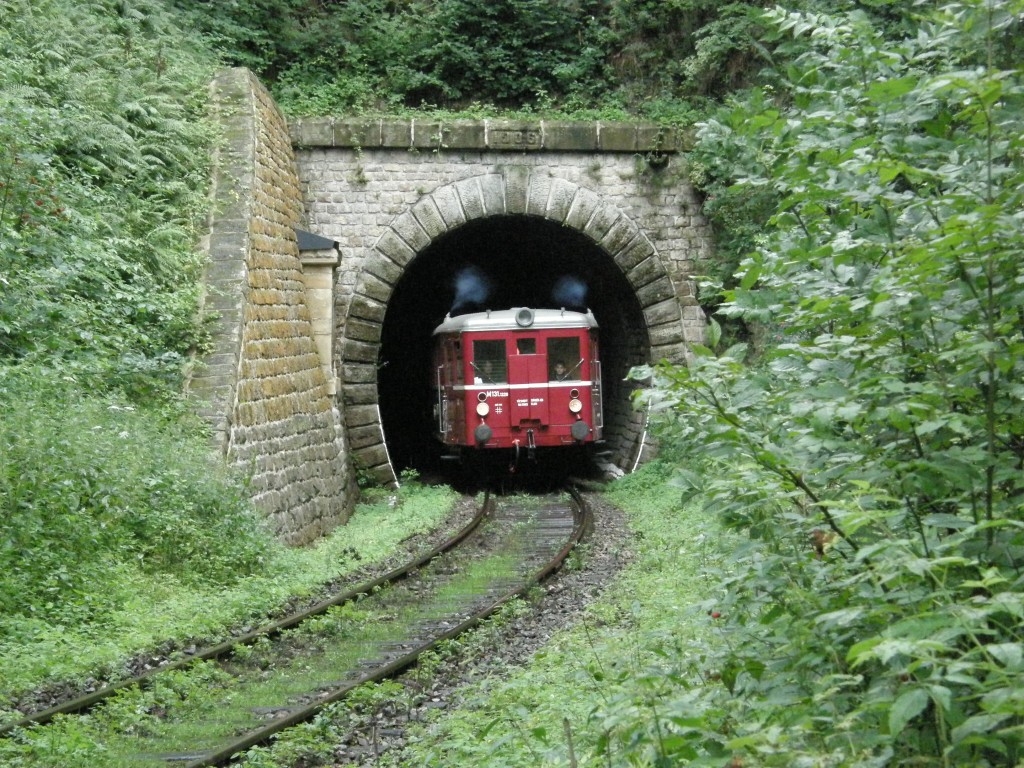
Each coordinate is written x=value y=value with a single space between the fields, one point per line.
x=564 y=360
x=489 y=362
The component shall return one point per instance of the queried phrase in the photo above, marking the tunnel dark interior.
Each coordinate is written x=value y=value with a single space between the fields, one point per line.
x=497 y=263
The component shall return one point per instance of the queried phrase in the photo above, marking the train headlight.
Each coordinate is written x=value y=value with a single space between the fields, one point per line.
x=482 y=409
x=575 y=405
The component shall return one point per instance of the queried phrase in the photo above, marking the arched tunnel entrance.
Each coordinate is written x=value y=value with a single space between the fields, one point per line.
x=499 y=262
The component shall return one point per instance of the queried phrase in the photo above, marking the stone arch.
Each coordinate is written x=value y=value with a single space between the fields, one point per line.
x=514 y=191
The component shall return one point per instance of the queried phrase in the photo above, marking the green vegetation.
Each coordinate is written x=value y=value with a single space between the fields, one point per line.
x=883 y=429
x=597 y=58
x=852 y=478
x=623 y=686
x=103 y=172
x=132 y=608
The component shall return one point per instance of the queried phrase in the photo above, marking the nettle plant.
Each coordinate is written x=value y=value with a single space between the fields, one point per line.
x=875 y=453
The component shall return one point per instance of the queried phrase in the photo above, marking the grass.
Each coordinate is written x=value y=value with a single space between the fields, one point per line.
x=201 y=709
x=610 y=690
x=161 y=607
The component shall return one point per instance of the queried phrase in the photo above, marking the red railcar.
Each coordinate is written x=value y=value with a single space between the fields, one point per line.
x=517 y=379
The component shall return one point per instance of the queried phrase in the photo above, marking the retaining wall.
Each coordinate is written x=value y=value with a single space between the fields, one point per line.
x=263 y=387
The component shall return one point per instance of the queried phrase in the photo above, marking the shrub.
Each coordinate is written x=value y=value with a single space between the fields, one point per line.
x=103 y=171
x=874 y=458
x=91 y=484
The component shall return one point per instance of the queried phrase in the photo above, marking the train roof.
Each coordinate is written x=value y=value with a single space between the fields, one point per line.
x=516 y=319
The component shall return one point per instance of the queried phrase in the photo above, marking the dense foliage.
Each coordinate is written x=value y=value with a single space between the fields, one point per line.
x=102 y=172
x=875 y=457
x=103 y=165
x=595 y=57
x=95 y=489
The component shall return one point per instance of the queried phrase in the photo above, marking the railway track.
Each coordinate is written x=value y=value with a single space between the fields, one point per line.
x=307 y=661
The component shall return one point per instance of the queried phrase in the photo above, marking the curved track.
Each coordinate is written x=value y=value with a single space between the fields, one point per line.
x=513 y=549
x=88 y=700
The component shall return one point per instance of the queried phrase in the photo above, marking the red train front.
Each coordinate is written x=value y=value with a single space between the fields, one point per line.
x=517 y=379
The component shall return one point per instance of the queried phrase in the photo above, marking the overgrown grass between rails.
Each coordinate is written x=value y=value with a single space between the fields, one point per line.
x=595 y=689
x=353 y=718
x=156 y=607
x=119 y=532
x=200 y=709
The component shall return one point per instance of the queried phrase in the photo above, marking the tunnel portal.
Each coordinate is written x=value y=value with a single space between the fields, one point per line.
x=497 y=263
x=318 y=352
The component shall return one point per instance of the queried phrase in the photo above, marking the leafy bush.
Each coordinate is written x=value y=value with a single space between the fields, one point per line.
x=91 y=485
x=875 y=457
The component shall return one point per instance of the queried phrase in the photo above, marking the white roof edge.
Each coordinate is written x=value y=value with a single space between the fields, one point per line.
x=506 y=320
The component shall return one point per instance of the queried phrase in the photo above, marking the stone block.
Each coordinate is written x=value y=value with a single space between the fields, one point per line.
x=653 y=138
x=359 y=394
x=517 y=182
x=360 y=352
x=359 y=373
x=365 y=437
x=427 y=134
x=619 y=235
x=409 y=229
x=465 y=134
x=367 y=308
x=372 y=456
x=470 y=198
x=356 y=132
x=617 y=137
x=584 y=203
x=361 y=330
x=638 y=249
x=492 y=192
x=429 y=217
x=312 y=132
x=652 y=293
x=382 y=474
x=560 y=199
x=228 y=246
x=663 y=312
x=396 y=133
x=662 y=335
x=645 y=272
x=374 y=288
x=383 y=268
x=675 y=353
x=601 y=221
x=449 y=205
x=362 y=415
x=537 y=195
x=516 y=135
x=569 y=136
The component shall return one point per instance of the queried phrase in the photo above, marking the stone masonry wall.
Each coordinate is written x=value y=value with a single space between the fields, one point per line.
x=262 y=387
x=385 y=189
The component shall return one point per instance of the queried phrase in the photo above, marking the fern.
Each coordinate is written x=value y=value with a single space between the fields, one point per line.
x=103 y=159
